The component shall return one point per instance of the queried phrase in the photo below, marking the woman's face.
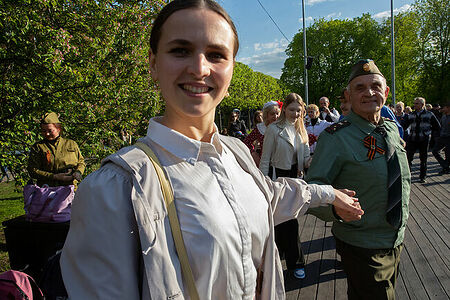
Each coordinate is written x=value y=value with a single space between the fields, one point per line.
x=293 y=111
x=49 y=131
x=259 y=118
x=194 y=62
x=312 y=113
x=273 y=114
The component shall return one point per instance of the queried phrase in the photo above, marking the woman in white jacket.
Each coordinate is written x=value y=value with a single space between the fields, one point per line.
x=120 y=244
x=286 y=149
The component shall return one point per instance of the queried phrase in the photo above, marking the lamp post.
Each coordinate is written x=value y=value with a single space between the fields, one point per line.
x=305 y=55
x=392 y=53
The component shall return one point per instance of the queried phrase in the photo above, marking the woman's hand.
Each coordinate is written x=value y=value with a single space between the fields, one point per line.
x=347 y=206
x=63 y=176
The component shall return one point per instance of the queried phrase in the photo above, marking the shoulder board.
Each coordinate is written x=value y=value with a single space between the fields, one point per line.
x=335 y=127
x=387 y=119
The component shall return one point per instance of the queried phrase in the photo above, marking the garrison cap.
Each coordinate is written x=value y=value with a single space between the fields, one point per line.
x=363 y=67
x=50 y=118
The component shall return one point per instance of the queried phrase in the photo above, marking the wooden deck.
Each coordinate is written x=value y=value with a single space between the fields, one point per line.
x=425 y=260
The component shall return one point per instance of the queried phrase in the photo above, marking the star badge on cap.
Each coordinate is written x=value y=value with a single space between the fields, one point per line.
x=366 y=67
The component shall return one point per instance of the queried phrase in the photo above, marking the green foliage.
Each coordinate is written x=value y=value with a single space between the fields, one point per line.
x=421 y=48
x=84 y=59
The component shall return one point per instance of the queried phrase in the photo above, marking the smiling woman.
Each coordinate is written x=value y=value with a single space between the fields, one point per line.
x=120 y=244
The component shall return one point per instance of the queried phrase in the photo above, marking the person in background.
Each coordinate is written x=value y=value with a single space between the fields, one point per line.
x=255 y=140
x=401 y=117
x=386 y=112
x=443 y=141
x=327 y=113
x=408 y=110
x=55 y=160
x=423 y=123
x=286 y=149
x=429 y=107
x=257 y=118
x=316 y=126
x=366 y=154
x=345 y=105
x=236 y=127
x=120 y=244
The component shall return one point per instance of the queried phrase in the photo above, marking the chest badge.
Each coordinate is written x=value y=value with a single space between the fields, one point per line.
x=371 y=143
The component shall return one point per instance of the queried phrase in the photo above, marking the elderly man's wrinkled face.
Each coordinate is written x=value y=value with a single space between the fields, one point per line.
x=367 y=94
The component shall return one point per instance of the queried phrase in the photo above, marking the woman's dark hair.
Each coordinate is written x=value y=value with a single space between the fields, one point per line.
x=177 y=5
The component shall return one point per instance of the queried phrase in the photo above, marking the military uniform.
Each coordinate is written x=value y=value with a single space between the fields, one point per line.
x=342 y=159
x=52 y=157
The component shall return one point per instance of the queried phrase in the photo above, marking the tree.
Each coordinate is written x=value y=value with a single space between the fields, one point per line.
x=84 y=59
x=434 y=16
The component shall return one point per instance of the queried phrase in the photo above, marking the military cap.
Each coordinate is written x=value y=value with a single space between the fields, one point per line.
x=364 y=67
x=50 y=118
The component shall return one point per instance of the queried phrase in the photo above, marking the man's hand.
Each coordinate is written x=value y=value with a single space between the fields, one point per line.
x=327 y=110
x=347 y=206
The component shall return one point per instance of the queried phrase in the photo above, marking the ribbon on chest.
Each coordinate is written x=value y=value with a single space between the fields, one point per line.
x=371 y=143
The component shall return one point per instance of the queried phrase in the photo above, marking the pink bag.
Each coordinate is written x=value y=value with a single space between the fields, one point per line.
x=18 y=285
x=48 y=204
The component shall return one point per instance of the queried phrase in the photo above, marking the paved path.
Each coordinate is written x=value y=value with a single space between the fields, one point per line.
x=425 y=260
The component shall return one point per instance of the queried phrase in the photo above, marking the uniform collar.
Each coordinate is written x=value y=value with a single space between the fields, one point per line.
x=365 y=126
x=178 y=144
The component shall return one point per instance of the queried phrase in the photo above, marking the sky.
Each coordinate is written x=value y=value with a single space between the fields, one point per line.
x=262 y=45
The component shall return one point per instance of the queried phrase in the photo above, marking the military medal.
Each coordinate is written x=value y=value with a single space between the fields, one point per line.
x=371 y=143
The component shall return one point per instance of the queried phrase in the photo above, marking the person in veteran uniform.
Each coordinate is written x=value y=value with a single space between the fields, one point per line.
x=55 y=161
x=368 y=157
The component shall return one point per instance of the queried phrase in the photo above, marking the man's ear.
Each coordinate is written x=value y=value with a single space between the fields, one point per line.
x=386 y=92
x=346 y=95
x=153 y=69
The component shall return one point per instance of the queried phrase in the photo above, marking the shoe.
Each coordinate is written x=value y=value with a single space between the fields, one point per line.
x=422 y=180
x=299 y=273
x=444 y=171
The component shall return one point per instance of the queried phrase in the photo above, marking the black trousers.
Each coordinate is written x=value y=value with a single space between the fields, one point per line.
x=422 y=146
x=286 y=234
x=442 y=142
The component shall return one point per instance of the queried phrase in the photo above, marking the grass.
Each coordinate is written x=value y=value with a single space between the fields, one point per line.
x=11 y=206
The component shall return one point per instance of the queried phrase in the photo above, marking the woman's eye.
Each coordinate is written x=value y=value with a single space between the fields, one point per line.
x=179 y=51
x=216 y=56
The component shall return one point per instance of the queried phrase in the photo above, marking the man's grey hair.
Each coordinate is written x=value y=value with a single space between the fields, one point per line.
x=421 y=99
x=325 y=98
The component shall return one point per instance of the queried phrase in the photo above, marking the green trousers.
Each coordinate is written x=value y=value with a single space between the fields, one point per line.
x=371 y=273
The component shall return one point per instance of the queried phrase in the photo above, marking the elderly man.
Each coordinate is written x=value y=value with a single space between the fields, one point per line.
x=325 y=112
x=368 y=157
x=423 y=123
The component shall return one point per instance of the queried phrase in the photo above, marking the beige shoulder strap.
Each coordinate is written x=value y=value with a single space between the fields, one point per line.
x=173 y=219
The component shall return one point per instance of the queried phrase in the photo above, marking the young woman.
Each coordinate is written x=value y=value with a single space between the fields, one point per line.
x=120 y=244
x=286 y=149
x=255 y=140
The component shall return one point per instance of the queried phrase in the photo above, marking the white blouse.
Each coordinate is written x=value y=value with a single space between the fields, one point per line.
x=222 y=212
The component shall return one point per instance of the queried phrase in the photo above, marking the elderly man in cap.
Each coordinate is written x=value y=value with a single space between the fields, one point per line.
x=368 y=157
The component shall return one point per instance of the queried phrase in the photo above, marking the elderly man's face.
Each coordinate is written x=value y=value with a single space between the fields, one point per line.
x=323 y=102
x=367 y=95
x=418 y=105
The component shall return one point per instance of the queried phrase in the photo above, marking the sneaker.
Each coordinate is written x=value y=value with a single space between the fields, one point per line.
x=299 y=273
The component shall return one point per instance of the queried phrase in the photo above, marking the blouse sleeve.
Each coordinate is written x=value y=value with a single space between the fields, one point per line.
x=100 y=258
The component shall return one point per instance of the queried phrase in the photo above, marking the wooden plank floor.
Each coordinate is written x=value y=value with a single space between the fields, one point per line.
x=425 y=260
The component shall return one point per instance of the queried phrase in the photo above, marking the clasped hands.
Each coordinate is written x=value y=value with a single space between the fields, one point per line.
x=68 y=176
x=346 y=205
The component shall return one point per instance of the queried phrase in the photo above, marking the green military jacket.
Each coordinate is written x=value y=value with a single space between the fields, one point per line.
x=48 y=158
x=341 y=159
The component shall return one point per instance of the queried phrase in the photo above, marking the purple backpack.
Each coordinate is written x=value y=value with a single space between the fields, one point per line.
x=48 y=204
x=16 y=285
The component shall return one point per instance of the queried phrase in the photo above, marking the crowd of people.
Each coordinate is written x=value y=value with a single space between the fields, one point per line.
x=237 y=197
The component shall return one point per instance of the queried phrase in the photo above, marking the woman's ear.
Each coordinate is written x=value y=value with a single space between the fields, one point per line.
x=153 y=68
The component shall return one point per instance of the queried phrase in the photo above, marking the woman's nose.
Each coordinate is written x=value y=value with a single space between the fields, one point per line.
x=199 y=66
